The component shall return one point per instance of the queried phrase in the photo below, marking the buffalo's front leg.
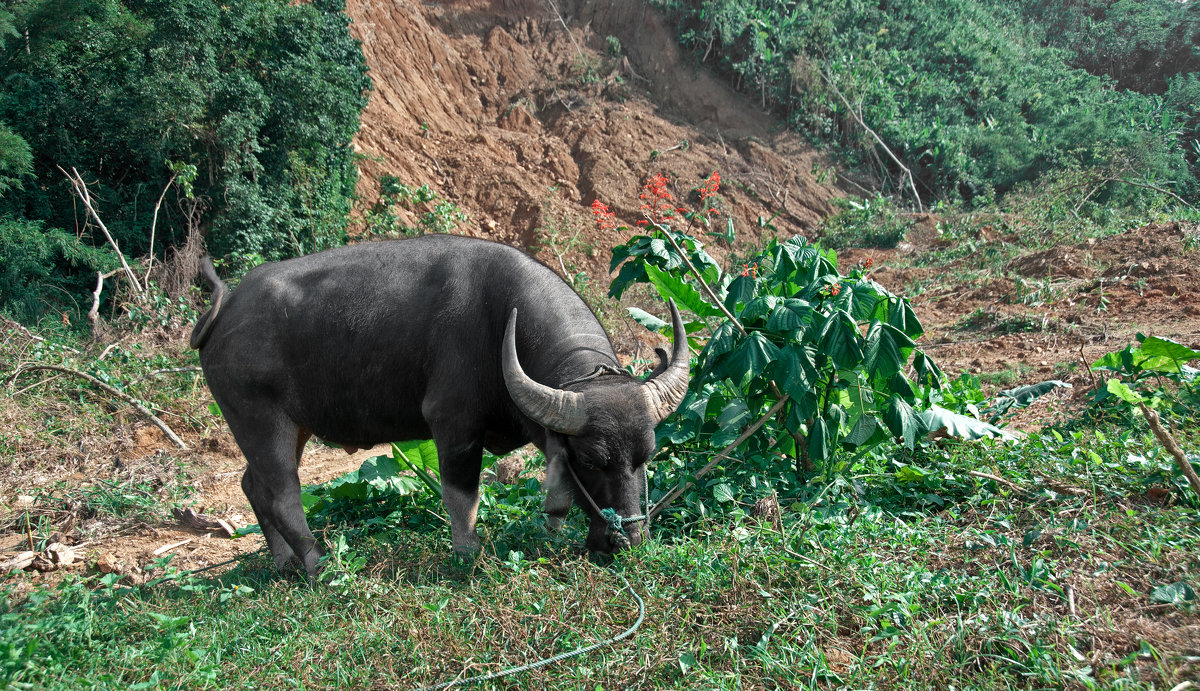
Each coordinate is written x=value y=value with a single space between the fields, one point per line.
x=460 y=465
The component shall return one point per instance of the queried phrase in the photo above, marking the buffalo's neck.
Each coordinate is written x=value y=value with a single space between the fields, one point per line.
x=580 y=349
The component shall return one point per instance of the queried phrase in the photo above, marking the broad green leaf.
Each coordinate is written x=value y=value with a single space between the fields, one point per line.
x=792 y=314
x=741 y=290
x=818 y=442
x=632 y=272
x=758 y=308
x=1119 y=361
x=900 y=314
x=1165 y=355
x=887 y=350
x=839 y=340
x=685 y=296
x=927 y=371
x=1122 y=391
x=420 y=453
x=858 y=299
x=961 y=426
x=903 y=421
x=800 y=410
x=732 y=418
x=855 y=396
x=749 y=359
x=421 y=458
x=867 y=432
x=723 y=493
x=722 y=341
x=1173 y=594
x=793 y=371
x=646 y=319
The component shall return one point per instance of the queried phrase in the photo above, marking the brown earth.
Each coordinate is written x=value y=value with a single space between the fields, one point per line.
x=1081 y=302
x=523 y=123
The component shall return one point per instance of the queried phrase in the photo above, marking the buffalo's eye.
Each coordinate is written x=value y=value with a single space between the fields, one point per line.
x=588 y=465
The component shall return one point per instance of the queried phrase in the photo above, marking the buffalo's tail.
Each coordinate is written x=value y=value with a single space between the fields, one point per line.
x=220 y=291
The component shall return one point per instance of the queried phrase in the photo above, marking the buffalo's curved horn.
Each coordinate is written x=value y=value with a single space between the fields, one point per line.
x=557 y=409
x=665 y=391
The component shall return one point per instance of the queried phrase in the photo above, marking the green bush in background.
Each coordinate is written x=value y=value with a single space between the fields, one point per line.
x=261 y=97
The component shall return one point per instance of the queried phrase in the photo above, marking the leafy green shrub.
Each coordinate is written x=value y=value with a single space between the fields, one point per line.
x=434 y=214
x=866 y=223
x=261 y=97
x=38 y=265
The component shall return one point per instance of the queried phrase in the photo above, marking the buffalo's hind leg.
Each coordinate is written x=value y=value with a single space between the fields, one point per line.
x=272 y=484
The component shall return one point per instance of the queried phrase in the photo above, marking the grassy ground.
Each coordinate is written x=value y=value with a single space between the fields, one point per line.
x=1079 y=578
x=1066 y=559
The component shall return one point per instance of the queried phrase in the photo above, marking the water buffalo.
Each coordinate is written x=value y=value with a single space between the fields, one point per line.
x=468 y=342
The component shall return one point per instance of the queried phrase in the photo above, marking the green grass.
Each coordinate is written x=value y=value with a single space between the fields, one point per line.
x=875 y=581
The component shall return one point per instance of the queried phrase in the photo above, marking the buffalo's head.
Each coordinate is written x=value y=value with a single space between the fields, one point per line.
x=600 y=434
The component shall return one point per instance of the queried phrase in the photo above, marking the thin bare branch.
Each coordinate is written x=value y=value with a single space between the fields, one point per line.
x=879 y=140
x=166 y=429
x=153 y=225
x=1168 y=441
x=678 y=491
x=81 y=191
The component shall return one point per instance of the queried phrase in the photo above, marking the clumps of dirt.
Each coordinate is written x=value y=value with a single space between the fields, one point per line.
x=1153 y=251
x=523 y=122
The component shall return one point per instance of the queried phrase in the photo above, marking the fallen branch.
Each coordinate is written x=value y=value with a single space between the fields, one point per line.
x=173 y=545
x=11 y=324
x=1168 y=441
x=169 y=370
x=153 y=226
x=678 y=491
x=997 y=479
x=116 y=392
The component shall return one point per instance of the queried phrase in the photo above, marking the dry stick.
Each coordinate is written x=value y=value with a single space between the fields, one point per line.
x=675 y=493
x=566 y=28
x=997 y=479
x=911 y=183
x=1152 y=187
x=169 y=370
x=121 y=394
x=153 y=224
x=93 y=314
x=1168 y=441
x=29 y=334
x=82 y=192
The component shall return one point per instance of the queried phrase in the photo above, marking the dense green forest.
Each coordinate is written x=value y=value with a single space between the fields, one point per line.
x=239 y=115
x=974 y=98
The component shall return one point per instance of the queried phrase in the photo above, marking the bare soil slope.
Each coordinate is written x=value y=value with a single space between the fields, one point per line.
x=523 y=120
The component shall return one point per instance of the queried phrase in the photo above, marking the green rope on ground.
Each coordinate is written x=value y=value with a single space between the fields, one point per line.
x=557 y=658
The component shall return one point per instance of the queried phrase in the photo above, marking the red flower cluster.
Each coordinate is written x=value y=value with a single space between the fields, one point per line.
x=605 y=218
x=750 y=270
x=865 y=264
x=657 y=199
x=708 y=189
x=835 y=289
